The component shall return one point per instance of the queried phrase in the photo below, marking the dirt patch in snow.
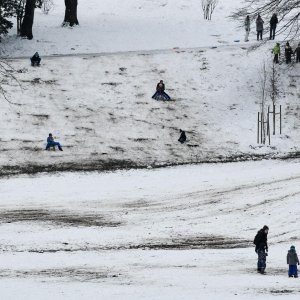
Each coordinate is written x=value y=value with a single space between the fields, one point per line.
x=61 y=218
x=182 y=243
x=66 y=274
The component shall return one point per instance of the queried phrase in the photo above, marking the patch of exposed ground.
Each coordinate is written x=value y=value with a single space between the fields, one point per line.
x=65 y=274
x=61 y=218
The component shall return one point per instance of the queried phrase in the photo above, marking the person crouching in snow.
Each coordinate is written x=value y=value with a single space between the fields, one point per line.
x=52 y=143
x=182 y=137
x=35 y=59
x=261 y=248
x=292 y=261
x=160 y=93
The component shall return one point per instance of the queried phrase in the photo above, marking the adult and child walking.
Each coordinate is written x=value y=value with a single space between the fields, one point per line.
x=261 y=248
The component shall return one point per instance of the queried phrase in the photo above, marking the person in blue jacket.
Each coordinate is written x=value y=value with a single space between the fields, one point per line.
x=52 y=143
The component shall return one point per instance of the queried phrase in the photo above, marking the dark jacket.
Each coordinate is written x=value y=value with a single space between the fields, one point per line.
x=182 y=137
x=259 y=24
x=160 y=87
x=288 y=51
x=297 y=51
x=273 y=21
x=50 y=139
x=292 y=258
x=261 y=240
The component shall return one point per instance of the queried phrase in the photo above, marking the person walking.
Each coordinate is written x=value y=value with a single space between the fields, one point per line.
x=273 y=25
x=292 y=260
x=297 y=52
x=261 y=248
x=259 y=27
x=276 y=52
x=247 y=28
x=288 y=51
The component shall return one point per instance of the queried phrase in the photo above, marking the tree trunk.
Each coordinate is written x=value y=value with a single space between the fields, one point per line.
x=26 y=26
x=71 y=13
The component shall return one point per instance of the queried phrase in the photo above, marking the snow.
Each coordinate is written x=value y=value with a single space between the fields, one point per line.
x=59 y=258
x=181 y=232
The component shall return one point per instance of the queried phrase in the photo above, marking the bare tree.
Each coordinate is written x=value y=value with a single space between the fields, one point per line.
x=288 y=12
x=263 y=96
x=208 y=7
x=6 y=75
x=27 y=23
x=70 y=13
x=20 y=11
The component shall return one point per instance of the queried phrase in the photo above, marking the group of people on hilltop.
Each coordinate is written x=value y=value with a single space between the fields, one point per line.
x=260 y=27
x=288 y=53
x=261 y=248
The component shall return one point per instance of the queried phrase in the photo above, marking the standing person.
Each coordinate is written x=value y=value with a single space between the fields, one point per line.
x=182 y=137
x=261 y=248
x=297 y=52
x=292 y=260
x=160 y=93
x=273 y=24
x=276 y=52
x=52 y=143
x=247 y=28
x=259 y=27
x=288 y=51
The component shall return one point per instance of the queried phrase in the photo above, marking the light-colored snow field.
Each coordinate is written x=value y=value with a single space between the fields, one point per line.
x=174 y=233
x=117 y=25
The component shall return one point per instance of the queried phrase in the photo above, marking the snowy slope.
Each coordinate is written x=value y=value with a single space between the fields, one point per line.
x=126 y=25
x=152 y=234
x=99 y=105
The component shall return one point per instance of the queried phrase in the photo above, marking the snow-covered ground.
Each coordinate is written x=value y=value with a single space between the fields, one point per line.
x=99 y=105
x=117 y=25
x=176 y=233
x=173 y=233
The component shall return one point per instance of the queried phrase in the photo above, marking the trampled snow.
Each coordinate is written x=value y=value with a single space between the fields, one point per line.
x=171 y=233
x=157 y=234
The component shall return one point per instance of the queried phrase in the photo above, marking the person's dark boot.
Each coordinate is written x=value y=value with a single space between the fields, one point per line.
x=60 y=148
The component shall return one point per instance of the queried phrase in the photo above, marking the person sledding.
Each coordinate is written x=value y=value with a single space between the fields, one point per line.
x=52 y=143
x=182 y=137
x=35 y=59
x=160 y=93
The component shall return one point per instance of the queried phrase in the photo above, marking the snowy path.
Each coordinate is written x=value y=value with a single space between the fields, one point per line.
x=150 y=233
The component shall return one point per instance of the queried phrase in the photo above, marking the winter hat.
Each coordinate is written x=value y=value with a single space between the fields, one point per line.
x=265 y=227
x=292 y=247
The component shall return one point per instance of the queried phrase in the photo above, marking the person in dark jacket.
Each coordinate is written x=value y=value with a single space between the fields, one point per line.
x=297 y=52
x=182 y=137
x=292 y=260
x=273 y=25
x=259 y=27
x=35 y=59
x=52 y=143
x=288 y=51
x=261 y=248
x=160 y=93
